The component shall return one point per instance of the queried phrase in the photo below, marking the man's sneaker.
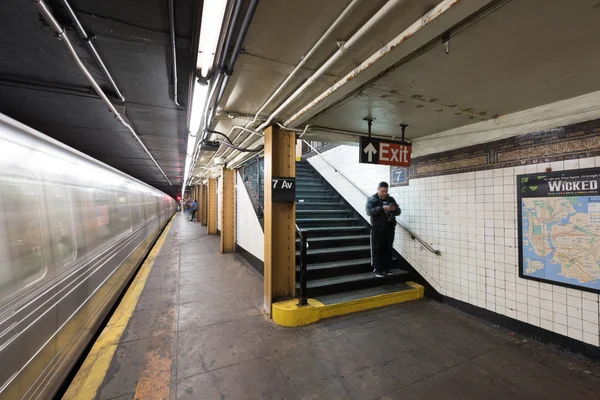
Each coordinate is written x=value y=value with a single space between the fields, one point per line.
x=379 y=274
x=389 y=273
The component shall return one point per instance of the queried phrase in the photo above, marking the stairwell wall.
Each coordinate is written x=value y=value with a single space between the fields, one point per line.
x=472 y=218
x=249 y=233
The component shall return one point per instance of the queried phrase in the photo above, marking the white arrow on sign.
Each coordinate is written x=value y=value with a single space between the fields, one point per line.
x=370 y=150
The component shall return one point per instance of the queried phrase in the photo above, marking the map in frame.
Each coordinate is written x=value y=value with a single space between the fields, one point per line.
x=559 y=228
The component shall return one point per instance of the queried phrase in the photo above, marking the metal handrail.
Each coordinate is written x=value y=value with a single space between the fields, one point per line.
x=413 y=235
x=302 y=298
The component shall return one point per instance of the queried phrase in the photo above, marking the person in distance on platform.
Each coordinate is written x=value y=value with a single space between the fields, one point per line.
x=383 y=210
x=193 y=209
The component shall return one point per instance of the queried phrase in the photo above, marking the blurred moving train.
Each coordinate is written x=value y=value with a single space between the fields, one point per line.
x=72 y=233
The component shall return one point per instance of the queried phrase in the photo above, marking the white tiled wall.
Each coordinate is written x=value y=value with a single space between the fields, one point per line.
x=472 y=218
x=249 y=234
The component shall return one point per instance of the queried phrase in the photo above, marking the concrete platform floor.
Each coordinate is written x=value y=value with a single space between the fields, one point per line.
x=219 y=346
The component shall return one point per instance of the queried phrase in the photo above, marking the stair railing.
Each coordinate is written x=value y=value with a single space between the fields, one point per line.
x=413 y=235
x=302 y=299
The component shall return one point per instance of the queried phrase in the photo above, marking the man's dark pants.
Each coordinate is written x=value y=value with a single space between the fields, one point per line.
x=192 y=212
x=382 y=249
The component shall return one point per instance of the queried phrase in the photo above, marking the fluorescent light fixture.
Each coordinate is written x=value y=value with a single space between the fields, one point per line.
x=213 y=12
x=197 y=108
x=191 y=145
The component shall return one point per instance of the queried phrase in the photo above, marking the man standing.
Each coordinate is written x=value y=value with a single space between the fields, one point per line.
x=194 y=208
x=383 y=210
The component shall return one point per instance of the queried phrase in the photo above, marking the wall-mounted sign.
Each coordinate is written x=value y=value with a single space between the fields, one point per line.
x=399 y=176
x=375 y=151
x=284 y=189
x=559 y=228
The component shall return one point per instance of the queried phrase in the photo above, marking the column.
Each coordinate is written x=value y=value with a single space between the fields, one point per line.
x=212 y=207
x=280 y=219
x=228 y=212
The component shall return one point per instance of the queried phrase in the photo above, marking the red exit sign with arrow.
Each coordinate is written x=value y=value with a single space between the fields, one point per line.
x=384 y=152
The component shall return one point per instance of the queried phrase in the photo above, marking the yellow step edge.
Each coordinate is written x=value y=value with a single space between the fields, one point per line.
x=288 y=313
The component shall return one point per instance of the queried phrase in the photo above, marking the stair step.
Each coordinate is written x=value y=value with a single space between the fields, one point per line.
x=334 y=250
x=334 y=228
x=326 y=220
x=327 y=212
x=338 y=264
x=336 y=238
x=350 y=278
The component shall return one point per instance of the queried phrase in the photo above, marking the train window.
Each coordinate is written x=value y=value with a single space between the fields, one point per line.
x=137 y=214
x=123 y=217
x=60 y=220
x=22 y=233
x=150 y=206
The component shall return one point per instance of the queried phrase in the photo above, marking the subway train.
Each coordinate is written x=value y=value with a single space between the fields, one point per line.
x=72 y=233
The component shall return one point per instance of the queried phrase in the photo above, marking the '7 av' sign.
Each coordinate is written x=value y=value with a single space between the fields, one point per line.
x=375 y=151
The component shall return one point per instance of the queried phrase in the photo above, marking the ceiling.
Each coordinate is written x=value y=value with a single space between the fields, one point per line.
x=504 y=57
x=41 y=86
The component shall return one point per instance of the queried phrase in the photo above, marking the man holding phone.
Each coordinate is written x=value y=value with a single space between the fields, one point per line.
x=383 y=210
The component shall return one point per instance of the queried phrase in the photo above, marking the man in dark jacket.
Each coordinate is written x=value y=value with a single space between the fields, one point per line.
x=383 y=210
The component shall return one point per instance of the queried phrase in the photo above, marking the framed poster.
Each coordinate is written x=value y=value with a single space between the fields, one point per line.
x=559 y=228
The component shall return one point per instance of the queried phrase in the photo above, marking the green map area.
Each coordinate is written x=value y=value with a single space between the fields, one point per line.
x=561 y=239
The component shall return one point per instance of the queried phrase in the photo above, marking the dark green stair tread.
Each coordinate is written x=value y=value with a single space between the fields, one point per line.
x=331 y=238
x=340 y=280
x=319 y=203
x=334 y=228
x=310 y=220
x=323 y=212
x=337 y=264
x=335 y=250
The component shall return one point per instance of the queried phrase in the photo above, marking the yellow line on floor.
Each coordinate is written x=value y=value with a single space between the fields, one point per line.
x=90 y=376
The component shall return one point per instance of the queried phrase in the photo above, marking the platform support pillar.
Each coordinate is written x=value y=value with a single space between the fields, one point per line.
x=228 y=212
x=280 y=219
x=212 y=207
x=203 y=205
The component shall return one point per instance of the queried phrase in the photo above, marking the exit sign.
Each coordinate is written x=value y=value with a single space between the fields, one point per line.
x=384 y=152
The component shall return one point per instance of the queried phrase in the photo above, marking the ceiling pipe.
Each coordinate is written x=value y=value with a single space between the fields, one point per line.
x=173 y=50
x=233 y=58
x=62 y=36
x=344 y=14
x=395 y=42
x=90 y=46
x=343 y=48
x=408 y=32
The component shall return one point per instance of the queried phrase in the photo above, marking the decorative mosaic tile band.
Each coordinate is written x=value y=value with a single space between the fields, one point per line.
x=572 y=141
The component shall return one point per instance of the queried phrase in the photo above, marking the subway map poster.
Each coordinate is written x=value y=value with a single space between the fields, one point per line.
x=559 y=228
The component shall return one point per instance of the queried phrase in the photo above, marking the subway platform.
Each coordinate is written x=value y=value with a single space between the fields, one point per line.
x=190 y=326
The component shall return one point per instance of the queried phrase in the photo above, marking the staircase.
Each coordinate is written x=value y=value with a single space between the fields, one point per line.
x=339 y=254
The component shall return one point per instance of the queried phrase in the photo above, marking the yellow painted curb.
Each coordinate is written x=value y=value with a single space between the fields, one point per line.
x=288 y=313
x=90 y=376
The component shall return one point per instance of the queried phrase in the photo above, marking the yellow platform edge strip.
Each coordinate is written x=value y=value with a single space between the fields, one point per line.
x=90 y=376
x=288 y=313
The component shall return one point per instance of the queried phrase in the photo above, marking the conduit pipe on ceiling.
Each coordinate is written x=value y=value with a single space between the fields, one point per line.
x=343 y=48
x=90 y=45
x=349 y=8
x=62 y=36
x=173 y=50
x=440 y=9
x=228 y=70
